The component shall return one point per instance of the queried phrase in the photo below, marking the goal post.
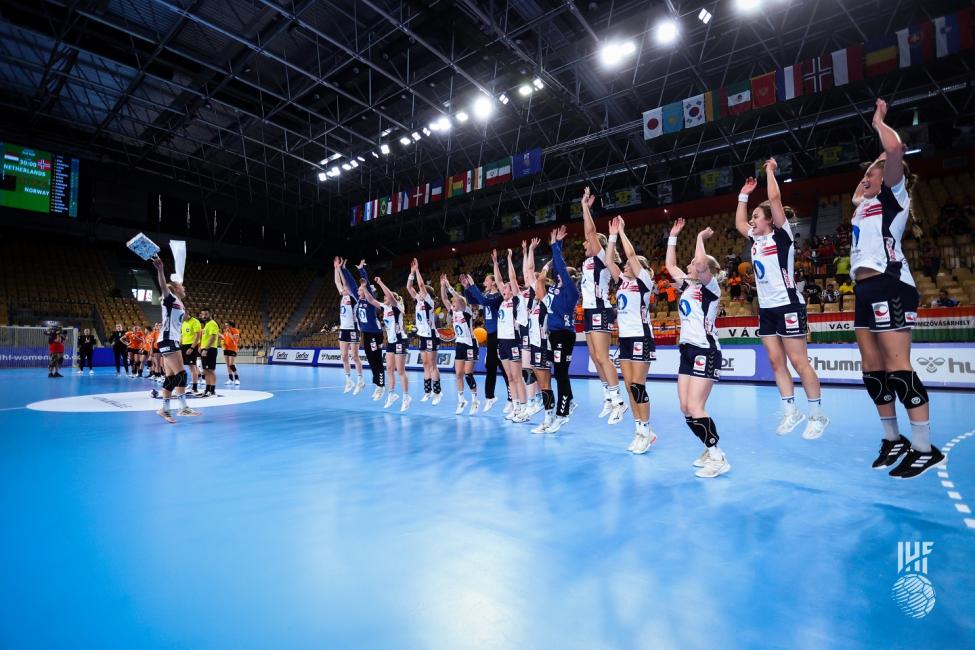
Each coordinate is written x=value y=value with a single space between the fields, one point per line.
x=26 y=347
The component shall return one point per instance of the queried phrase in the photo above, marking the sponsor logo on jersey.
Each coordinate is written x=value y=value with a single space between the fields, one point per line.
x=792 y=322
x=638 y=348
x=597 y=319
x=759 y=269
x=621 y=301
x=700 y=362
x=881 y=312
x=685 y=307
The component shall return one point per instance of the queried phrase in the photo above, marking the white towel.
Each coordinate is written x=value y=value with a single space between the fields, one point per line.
x=179 y=260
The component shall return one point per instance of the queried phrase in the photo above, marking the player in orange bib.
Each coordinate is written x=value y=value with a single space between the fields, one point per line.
x=137 y=339
x=149 y=351
x=231 y=339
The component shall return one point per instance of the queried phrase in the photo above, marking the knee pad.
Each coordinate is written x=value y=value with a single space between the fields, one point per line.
x=876 y=384
x=548 y=399
x=639 y=393
x=704 y=429
x=908 y=388
x=469 y=378
x=180 y=379
x=169 y=383
x=529 y=376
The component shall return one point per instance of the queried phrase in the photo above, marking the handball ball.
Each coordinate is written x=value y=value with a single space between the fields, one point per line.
x=481 y=335
x=914 y=594
x=744 y=268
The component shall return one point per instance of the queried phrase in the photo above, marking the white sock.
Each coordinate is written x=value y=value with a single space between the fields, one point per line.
x=891 y=430
x=789 y=404
x=921 y=435
x=815 y=409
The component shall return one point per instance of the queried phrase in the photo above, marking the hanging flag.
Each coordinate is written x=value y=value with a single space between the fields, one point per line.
x=915 y=44
x=715 y=179
x=763 y=90
x=880 y=55
x=542 y=215
x=436 y=190
x=384 y=206
x=673 y=117
x=694 y=113
x=404 y=202
x=526 y=163
x=477 y=182
x=468 y=182
x=736 y=98
x=497 y=172
x=788 y=82
x=712 y=106
x=817 y=74
x=653 y=125
x=847 y=65
x=419 y=196
x=356 y=215
x=458 y=183
x=367 y=211
x=953 y=33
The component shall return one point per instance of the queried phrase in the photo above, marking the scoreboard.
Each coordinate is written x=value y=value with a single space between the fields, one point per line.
x=39 y=181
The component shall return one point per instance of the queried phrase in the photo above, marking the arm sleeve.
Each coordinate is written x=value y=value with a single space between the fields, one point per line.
x=474 y=294
x=350 y=282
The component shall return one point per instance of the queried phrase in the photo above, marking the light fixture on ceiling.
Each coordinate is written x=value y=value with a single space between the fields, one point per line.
x=426 y=130
x=384 y=149
x=353 y=163
x=525 y=90
x=346 y=166
x=405 y=141
x=747 y=5
x=461 y=117
x=336 y=171
x=374 y=155
x=322 y=176
x=538 y=84
x=666 y=31
x=704 y=16
x=483 y=107
x=360 y=159
x=503 y=99
x=416 y=136
x=614 y=52
x=443 y=124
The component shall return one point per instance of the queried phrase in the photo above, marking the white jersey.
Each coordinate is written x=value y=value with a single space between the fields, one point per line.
x=172 y=318
x=878 y=226
x=506 y=318
x=346 y=312
x=773 y=257
x=537 y=312
x=393 y=322
x=595 y=282
x=462 y=327
x=633 y=305
x=424 y=316
x=521 y=313
x=698 y=307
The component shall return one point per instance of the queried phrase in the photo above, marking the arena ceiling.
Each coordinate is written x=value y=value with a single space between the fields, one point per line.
x=248 y=98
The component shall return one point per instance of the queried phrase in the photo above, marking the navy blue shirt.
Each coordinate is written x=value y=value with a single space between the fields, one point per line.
x=490 y=302
x=365 y=313
x=562 y=315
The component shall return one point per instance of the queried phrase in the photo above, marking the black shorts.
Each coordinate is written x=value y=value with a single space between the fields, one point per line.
x=429 y=343
x=210 y=359
x=464 y=352
x=786 y=321
x=600 y=319
x=508 y=350
x=525 y=342
x=641 y=349
x=885 y=304
x=189 y=354
x=230 y=353
x=396 y=347
x=349 y=336
x=167 y=347
x=541 y=356
x=135 y=350
x=700 y=362
x=562 y=342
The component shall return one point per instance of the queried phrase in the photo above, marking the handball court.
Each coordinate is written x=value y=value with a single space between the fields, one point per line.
x=291 y=515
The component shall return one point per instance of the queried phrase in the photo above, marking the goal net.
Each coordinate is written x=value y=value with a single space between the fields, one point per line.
x=27 y=347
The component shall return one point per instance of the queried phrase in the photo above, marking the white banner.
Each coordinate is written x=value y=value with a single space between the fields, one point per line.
x=293 y=356
x=735 y=362
x=332 y=357
x=954 y=365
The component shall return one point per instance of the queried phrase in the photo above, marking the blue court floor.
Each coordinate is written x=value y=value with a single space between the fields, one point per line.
x=312 y=519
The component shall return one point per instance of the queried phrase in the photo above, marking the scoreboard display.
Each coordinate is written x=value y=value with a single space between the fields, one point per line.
x=39 y=181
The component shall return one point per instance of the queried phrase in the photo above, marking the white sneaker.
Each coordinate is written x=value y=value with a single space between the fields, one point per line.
x=426 y=397
x=508 y=407
x=236 y=382
x=406 y=403
x=647 y=439
x=715 y=465
x=378 y=393
x=519 y=416
x=461 y=405
x=789 y=422
x=534 y=407
x=573 y=405
x=91 y=371
x=355 y=391
x=188 y=412
x=701 y=459
x=636 y=438
x=815 y=427
x=616 y=416
x=348 y=385
x=390 y=400
x=607 y=407
x=79 y=371
x=229 y=382
x=543 y=427
x=510 y=415
x=475 y=404
x=488 y=403
x=557 y=423
x=436 y=398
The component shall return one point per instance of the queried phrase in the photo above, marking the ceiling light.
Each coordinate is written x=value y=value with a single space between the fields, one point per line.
x=384 y=149
x=336 y=171
x=324 y=161
x=704 y=16
x=666 y=31
x=503 y=99
x=747 y=5
x=788 y=180
x=525 y=90
x=353 y=163
x=461 y=117
x=346 y=166
x=443 y=123
x=416 y=136
x=538 y=84
x=374 y=155
x=911 y=152
x=426 y=130
x=483 y=107
x=322 y=176
x=360 y=159
x=385 y=133
x=614 y=52
x=405 y=141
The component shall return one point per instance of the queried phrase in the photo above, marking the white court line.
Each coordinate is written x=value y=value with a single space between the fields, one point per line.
x=13 y=408
x=954 y=495
x=291 y=390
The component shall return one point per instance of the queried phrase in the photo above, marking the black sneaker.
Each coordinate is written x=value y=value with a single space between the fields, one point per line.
x=890 y=451
x=50 y=375
x=917 y=462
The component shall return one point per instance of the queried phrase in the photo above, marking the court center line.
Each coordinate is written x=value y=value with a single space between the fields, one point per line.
x=949 y=486
x=13 y=408
x=291 y=390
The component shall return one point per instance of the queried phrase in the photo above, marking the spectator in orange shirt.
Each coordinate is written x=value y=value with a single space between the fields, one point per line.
x=231 y=339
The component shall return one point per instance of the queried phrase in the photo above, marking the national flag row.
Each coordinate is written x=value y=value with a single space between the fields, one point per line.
x=915 y=45
x=500 y=171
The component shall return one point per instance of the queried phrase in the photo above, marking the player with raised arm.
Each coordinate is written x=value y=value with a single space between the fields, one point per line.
x=465 y=345
x=396 y=344
x=427 y=332
x=348 y=332
x=171 y=303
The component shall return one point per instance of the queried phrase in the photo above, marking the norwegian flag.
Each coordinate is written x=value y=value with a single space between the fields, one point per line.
x=44 y=164
x=817 y=74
